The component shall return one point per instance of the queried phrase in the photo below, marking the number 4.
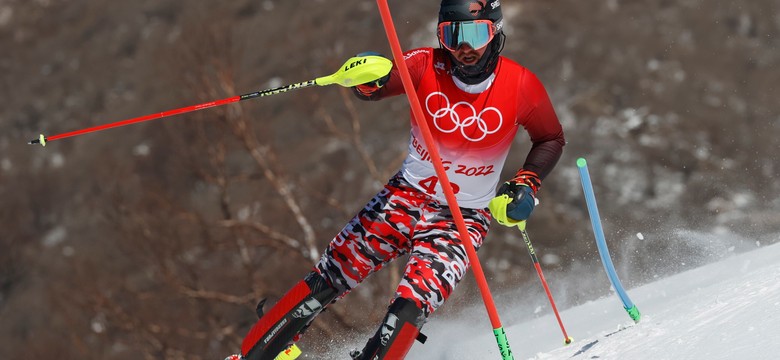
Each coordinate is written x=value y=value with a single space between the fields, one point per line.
x=429 y=185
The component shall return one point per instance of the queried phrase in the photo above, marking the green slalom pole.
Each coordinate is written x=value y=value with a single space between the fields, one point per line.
x=503 y=344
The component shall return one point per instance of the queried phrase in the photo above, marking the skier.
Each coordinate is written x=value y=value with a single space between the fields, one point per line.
x=474 y=102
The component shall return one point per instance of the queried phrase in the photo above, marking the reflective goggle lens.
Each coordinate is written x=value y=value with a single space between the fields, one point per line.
x=476 y=34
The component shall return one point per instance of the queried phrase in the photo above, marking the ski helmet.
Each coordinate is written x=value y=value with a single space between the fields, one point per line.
x=470 y=10
x=466 y=10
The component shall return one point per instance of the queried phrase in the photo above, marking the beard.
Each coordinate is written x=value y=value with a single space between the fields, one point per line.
x=475 y=74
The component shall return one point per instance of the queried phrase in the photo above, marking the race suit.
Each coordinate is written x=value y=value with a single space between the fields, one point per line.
x=473 y=127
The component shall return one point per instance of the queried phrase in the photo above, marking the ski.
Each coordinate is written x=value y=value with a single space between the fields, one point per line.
x=591 y=344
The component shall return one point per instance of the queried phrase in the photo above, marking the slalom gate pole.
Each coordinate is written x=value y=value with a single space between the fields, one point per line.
x=598 y=231
x=355 y=71
x=419 y=118
x=566 y=339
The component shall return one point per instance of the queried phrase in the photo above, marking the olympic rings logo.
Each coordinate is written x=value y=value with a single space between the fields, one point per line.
x=462 y=124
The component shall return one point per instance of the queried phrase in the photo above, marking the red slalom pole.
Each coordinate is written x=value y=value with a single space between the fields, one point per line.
x=419 y=118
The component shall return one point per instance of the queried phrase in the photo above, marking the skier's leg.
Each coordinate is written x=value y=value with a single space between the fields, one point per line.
x=437 y=264
x=439 y=260
x=395 y=336
x=377 y=234
x=275 y=330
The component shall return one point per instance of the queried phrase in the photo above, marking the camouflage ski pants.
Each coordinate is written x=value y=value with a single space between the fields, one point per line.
x=402 y=220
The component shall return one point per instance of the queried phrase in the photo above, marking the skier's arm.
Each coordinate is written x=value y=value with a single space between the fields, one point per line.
x=542 y=126
x=516 y=198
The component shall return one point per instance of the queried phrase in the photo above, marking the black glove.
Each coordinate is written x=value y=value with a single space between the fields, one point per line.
x=516 y=198
x=522 y=201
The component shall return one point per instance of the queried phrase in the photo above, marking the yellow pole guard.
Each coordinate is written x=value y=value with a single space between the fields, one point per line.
x=292 y=352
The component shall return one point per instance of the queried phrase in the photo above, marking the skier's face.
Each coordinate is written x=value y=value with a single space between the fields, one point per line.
x=467 y=55
x=466 y=40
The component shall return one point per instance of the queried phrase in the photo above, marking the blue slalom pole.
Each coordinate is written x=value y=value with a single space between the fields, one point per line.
x=598 y=231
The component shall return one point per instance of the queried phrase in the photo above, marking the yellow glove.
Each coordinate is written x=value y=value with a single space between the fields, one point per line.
x=497 y=207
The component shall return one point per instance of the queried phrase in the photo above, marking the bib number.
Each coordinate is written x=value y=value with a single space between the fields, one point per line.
x=429 y=185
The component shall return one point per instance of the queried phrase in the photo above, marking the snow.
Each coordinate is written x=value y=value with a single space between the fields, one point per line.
x=729 y=309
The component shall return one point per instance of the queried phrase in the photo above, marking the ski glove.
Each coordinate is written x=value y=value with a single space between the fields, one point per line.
x=516 y=199
x=369 y=88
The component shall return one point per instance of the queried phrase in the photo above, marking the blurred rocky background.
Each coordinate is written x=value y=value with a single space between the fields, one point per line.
x=155 y=241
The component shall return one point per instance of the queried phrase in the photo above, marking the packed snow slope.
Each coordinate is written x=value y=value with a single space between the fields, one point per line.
x=724 y=310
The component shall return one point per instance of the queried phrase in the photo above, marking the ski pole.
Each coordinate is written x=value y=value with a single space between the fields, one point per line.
x=566 y=339
x=465 y=237
x=357 y=70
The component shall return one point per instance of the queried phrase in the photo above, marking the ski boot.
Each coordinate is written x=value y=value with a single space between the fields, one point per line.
x=397 y=333
x=276 y=330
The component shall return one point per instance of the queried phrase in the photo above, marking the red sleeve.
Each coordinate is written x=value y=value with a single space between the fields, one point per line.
x=541 y=123
x=417 y=61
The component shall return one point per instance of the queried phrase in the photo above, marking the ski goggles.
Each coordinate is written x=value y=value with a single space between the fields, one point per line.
x=476 y=34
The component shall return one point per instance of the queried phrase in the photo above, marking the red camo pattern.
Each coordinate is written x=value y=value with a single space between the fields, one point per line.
x=401 y=220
